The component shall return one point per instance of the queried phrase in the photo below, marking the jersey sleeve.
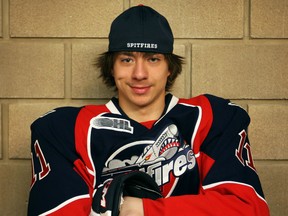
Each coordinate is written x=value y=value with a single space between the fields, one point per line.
x=58 y=184
x=229 y=181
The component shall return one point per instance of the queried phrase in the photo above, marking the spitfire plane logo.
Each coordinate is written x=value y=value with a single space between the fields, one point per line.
x=166 y=158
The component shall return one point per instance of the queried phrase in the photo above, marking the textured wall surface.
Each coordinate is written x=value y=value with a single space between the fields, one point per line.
x=237 y=49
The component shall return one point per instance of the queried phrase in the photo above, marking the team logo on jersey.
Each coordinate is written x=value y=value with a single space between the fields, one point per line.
x=166 y=158
x=109 y=123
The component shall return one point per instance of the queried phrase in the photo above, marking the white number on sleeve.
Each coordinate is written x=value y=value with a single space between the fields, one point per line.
x=45 y=167
x=240 y=151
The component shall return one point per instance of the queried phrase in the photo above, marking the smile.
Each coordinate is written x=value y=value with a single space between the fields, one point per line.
x=140 y=90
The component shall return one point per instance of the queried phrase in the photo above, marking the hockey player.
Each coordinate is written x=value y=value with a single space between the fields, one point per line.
x=196 y=150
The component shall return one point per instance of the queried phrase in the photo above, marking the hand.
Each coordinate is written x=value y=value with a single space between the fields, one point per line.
x=131 y=207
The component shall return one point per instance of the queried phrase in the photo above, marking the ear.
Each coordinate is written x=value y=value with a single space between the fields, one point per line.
x=169 y=73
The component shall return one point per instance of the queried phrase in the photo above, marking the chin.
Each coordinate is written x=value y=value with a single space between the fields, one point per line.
x=141 y=102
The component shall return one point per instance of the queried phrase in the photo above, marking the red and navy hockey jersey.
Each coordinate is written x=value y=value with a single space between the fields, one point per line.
x=198 y=153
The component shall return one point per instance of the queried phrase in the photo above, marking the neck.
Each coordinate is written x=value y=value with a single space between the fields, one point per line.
x=144 y=113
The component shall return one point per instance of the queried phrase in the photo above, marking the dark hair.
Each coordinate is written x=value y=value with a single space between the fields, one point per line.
x=105 y=63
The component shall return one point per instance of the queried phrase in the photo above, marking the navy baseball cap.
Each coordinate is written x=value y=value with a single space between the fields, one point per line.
x=141 y=29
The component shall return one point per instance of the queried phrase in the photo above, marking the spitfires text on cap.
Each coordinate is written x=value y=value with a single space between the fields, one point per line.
x=142 y=45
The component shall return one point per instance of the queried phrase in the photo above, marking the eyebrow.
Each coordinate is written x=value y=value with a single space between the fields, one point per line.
x=145 y=54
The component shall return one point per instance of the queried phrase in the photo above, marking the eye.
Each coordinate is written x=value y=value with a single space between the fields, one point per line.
x=126 y=60
x=153 y=59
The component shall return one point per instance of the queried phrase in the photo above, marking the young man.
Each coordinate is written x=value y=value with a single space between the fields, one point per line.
x=196 y=150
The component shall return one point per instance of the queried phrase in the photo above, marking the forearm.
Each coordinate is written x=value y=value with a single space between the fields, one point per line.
x=234 y=200
x=132 y=207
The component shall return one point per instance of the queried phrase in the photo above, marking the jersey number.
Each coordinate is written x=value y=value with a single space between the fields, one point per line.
x=45 y=167
x=240 y=151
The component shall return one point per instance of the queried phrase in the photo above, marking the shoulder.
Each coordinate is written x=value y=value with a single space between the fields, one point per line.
x=220 y=109
x=224 y=108
x=57 y=118
x=215 y=102
x=66 y=115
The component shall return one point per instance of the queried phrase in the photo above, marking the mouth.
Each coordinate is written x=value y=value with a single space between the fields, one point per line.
x=168 y=144
x=140 y=89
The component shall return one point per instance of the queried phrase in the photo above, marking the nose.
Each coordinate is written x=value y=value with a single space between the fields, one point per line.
x=140 y=71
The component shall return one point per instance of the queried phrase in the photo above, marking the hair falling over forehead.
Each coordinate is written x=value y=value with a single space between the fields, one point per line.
x=105 y=63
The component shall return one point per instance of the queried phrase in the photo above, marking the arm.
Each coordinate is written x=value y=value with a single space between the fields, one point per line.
x=132 y=207
x=58 y=186
x=229 y=182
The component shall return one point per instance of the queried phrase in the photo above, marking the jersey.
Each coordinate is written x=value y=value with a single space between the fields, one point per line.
x=198 y=153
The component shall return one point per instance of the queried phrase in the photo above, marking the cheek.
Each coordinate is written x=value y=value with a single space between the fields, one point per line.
x=117 y=74
x=162 y=76
x=120 y=72
x=119 y=78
